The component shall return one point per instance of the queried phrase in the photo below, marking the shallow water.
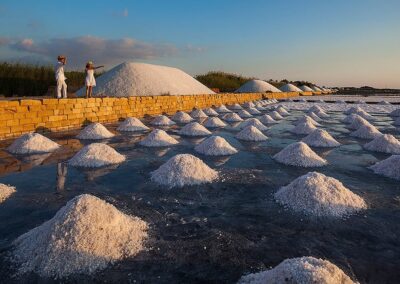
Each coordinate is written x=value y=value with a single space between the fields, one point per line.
x=214 y=233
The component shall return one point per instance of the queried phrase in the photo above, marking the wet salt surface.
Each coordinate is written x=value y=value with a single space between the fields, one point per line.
x=215 y=232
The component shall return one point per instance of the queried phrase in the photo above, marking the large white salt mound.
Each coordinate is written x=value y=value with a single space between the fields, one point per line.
x=267 y=119
x=364 y=114
x=162 y=120
x=222 y=109
x=244 y=114
x=253 y=111
x=305 y=88
x=32 y=143
x=299 y=154
x=316 y=89
x=366 y=132
x=358 y=121
x=213 y=122
x=290 y=88
x=94 y=131
x=183 y=169
x=314 y=116
x=140 y=79
x=320 y=138
x=182 y=117
x=198 y=113
x=307 y=119
x=249 y=104
x=384 y=143
x=353 y=110
x=257 y=86
x=96 y=155
x=158 y=138
x=282 y=111
x=84 y=236
x=302 y=270
x=132 y=124
x=215 y=146
x=210 y=112
x=303 y=128
x=232 y=117
x=6 y=191
x=194 y=129
x=236 y=107
x=275 y=115
x=253 y=122
x=396 y=112
x=251 y=133
x=319 y=195
x=389 y=167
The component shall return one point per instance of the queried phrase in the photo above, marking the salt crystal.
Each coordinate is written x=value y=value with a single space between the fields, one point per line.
x=198 y=113
x=182 y=117
x=6 y=191
x=162 y=120
x=232 y=117
x=320 y=138
x=251 y=133
x=366 y=132
x=384 y=143
x=389 y=167
x=214 y=122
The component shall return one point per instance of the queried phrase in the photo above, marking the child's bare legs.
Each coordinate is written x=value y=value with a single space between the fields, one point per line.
x=87 y=91
x=90 y=91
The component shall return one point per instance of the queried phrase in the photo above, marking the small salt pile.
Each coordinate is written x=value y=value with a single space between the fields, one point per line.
x=182 y=117
x=303 y=100
x=315 y=108
x=322 y=114
x=357 y=121
x=389 y=167
x=32 y=143
x=210 y=112
x=232 y=117
x=303 y=128
x=6 y=191
x=299 y=154
x=251 y=133
x=236 y=107
x=158 y=138
x=267 y=119
x=307 y=119
x=320 y=138
x=397 y=122
x=282 y=111
x=94 y=131
x=215 y=146
x=366 y=132
x=253 y=111
x=244 y=114
x=96 y=155
x=162 y=120
x=253 y=122
x=319 y=195
x=222 y=109
x=183 y=169
x=396 y=112
x=214 y=122
x=86 y=235
x=314 y=116
x=132 y=124
x=341 y=102
x=249 y=104
x=302 y=270
x=194 y=129
x=198 y=113
x=275 y=115
x=260 y=108
x=365 y=115
x=385 y=103
x=384 y=143
x=353 y=110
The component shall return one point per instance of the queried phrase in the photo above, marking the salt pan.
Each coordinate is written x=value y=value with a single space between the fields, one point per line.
x=198 y=113
x=244 y=114
x=96 y=155
x=253 y=111
x=132 y=124
x=215 y=146
x=95 y=131
x=267 y=119
x=210 y=112
x=303 y=128
x=320 y=138
x=299 y=154
x=158 y=138
x=254 y=122
x=32 y=143
x=194 y=129
x=251 y=133
x=222 y=109
x=275 y=115
x=232 y=117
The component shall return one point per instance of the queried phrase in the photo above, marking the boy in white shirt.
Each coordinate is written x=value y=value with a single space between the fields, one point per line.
x=60 y=77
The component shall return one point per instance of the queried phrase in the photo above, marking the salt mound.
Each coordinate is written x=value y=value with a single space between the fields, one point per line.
x=397 y=122
x=215 y=146
x=210 y=112
x=303 y=128
x=388 y=168
x=249 y=104
x=253 y=122
x=214 y=122
x=275 y=115
x=267 y=119
x=32 y=143
x=253 y=111
x=305 y=88
x=158 y=138
x=396 y=112
x=353 y=110
x=251 y=133
x=182 y=117
x=94 y=131
x=357 y=122
x=366 y=132
x=162 y=120
x=315 y=108
x=385 y=103
x=365 y=115
x=96 y=155
x=322 y=114
x=299 y=154
x=307 y=119
x=236 y=107
x=183 y=169
x=340 y=102
x=320 y=138
x=198 y=113
x=5 y=192
x=314 y=116
x=290 y=88
x=316 y=89
x=260 y=108
x=257 y=86
x=132 y=124
x=194 y=129
x=303 y=100
x=244 y=114
x=222 y=109
x=282 y=111
x=140 y=79
x=232 y=117
x=384 y=143
x=84 y=236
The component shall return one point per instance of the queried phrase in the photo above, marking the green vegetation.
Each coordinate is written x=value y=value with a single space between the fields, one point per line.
x=224 y=82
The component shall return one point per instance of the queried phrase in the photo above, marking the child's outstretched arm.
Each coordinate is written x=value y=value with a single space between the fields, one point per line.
x=101 y=66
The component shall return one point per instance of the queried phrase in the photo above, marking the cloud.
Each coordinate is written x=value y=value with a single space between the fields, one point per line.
x=4 y=41
x=124 y=13
x=34 y=24
x=192 y=48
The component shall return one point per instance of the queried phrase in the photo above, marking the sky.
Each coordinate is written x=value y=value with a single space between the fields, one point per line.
x=331 y=43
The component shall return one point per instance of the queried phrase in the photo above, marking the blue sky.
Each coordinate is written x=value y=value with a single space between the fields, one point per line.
x=332 y=43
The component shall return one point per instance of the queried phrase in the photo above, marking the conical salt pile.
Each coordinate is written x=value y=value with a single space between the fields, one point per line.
x=210 y=112
x=320 y=138
x=84 y=236
x=158 y=138
x=260 y=108
x=194 y=129
x=257 y=86
x=32 y=143
x=96 y=155
x=299 y=154
x=253 y=111
x=303 y=128
x=385 y=103
x=162 y=120
x=322 y=114
x=249 y=104
x=182 y=117
x=388 y=168
x=132 y=124
x=198 y=113
x=236 y=107
x=232 y=117
x=253 y=122
x=397 y=122
x=314 y=116
x=6 y=191
x=95 y=131
x=275 y=115
x=282 y=111
x=396 y=112
x=214 y=122
x=315 y=108
x=183 y=169
x=384 y=143
x=365 y=115
x=222 y=109
x=355 y=121
x=353 y=110
x=244 y=114
x=307 y=119
x=251 y=133
x=366 y=132
x=215 y=146
x=267 y=119
x=290 y=88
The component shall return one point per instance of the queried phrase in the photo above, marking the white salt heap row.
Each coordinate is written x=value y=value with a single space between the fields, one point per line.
x=158 y=138
x=162 y=120
x=198 y=113
x=210 y=112
x=314 y=116
x=215 y=146
x=84 y=236
x=32 y=143
x=244 y=114
x=232 y=117
x=249 y=104
x=282 y=111
x=275 y=115
x=300 y=155
x=6 y=191
x=214 y=122
x=236 y=107
x=384 y=143
x=132 y=124
x=315 y=108
x=182 y=117
x=194 y=129
x=388 y=168
x=96 y=155
x=267 y=119
x=251 y=133
x=366 y=132
x=321 y=114
x=357 y=121
x=257 y=86
x=183 y=169
x=320 y=138
x=95 y=131
x=254 y=122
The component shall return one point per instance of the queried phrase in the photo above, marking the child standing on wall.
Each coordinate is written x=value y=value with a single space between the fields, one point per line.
x=90 y=81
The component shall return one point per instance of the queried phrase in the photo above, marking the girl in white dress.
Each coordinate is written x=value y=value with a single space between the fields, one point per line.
x=90 y=81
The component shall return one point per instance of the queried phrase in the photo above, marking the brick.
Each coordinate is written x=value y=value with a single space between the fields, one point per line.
x=30 y=102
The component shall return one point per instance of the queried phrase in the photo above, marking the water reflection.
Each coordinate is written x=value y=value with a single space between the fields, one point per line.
x=62 y=170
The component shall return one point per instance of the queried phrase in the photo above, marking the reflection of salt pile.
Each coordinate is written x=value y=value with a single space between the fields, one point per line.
x=210 y=112
x=299 y=154
x=96 y=155
x=32 y=143
x=158 y=138
x=222 y=109
x=183 y=169
x=253 y=122
x=194 y=129
x=198 y=113
x=366 y=132
x=5 y=192
x=320 y=138
x=214 y=122
x=182 y=117
x=282 y=111
x=253 y=111
x=275 y=115
x=162 y=120
x=388 y=168
x=267 y=119
x=319 y=195
x=384 y=143
x=236 y=107
x=232 y=117
x=396 y=112
x=303 y=128
x=244 y=114
x=215 y=146
x=94 y=131
x=251 y=133
x=85 y=235
x=257 y=86
x=132 y=124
